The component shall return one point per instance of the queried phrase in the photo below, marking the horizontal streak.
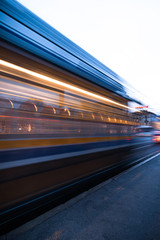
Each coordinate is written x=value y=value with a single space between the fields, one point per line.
x=61 y=84
x=10 y=144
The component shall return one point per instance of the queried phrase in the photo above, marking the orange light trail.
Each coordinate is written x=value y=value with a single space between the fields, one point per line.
x=68 y=86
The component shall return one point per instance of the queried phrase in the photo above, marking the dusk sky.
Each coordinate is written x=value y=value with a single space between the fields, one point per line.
x=122 y=34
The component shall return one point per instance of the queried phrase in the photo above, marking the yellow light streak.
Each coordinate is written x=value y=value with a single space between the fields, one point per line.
x=11 y=103
x=35 y=107
x=68 y=86
x=54 y=110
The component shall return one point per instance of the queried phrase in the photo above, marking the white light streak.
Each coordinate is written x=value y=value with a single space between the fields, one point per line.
x=68 y=86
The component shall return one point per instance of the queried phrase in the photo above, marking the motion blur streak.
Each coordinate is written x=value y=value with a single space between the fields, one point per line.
x=64 y=117
x=10 y=65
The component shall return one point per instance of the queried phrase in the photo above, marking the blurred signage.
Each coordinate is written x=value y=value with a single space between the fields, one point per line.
x=141 y=107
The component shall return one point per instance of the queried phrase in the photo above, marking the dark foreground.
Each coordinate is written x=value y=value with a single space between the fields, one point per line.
x=124 y=207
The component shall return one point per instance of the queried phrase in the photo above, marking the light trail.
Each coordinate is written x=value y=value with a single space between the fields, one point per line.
x=68 y=86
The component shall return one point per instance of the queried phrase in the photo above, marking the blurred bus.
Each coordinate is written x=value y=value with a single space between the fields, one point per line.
x=144 y=131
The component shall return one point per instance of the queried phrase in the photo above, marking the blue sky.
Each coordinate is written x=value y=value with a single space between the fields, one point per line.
x=122 y=34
